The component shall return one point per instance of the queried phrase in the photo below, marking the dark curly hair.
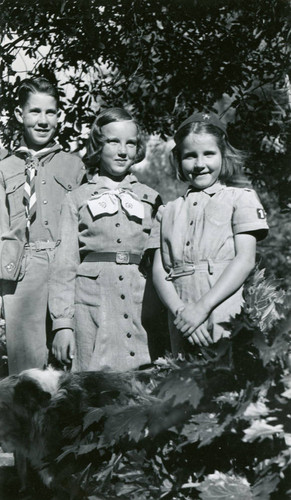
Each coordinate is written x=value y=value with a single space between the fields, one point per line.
x=96 y=139
x=232 y=158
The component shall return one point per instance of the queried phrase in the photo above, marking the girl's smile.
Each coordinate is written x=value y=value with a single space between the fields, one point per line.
x=119 y=150
x=201 y=160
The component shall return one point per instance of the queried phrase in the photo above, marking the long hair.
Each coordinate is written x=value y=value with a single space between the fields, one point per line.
x=36 y=85
x=97 y=140
x=232 y=158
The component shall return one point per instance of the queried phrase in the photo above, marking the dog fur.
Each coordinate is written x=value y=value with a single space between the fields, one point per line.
x=37 y=406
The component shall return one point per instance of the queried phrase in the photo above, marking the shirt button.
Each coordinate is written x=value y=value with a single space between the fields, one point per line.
x=188 y=243
x=45 y=222
x=128 y=335
x=117 y=224
x=195 y=203
x=43 y=181
x=125 y=316
x=132 y=353
x=122 y=297
x=120 y=278
x=45 y=202
x=191 y=223
x=118 y=240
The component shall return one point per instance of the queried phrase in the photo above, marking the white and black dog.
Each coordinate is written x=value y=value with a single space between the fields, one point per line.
x=36 y=406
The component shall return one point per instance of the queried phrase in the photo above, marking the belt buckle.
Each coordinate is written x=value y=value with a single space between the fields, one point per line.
x=180 y=273
x=122 y=258
x=37 y=246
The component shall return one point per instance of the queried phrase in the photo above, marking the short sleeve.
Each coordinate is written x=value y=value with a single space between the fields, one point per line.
x=154 y=238
x=249 y=214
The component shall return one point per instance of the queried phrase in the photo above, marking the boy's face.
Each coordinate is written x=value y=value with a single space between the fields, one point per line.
x=39 y=117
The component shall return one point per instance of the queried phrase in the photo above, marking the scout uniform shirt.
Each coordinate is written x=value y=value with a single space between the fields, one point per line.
x=197 y=244
x=26 y=299
x=55 y=177
x=101 y=300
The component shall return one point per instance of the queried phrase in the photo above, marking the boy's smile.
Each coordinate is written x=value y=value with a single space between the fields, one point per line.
x=201 y=160
x=39 y=117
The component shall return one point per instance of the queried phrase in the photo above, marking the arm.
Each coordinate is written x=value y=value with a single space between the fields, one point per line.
x=165 y=289
x=4 y=216
x=172 y=301
x=228 y=283
x=62 y=289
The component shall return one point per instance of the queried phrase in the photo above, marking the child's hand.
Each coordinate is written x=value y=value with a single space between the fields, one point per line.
x=201 y=337
x=63 y=346
x=190 y=319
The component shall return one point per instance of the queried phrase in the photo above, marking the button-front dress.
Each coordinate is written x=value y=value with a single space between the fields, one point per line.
x=197 y=244
x=103 y=301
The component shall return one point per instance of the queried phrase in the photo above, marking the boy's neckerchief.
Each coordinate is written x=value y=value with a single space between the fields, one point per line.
x=32 y=162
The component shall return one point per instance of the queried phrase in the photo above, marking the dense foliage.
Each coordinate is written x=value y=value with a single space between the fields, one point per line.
x=211 y=427
x=161 y=59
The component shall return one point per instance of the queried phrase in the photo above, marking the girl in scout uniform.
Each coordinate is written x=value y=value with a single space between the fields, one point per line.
x=33 y=183
x=107 y=225
x=208 y=236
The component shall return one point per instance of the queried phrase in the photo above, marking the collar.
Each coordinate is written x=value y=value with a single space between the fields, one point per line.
x=128 y=180
x=51 y=147
x=211 y=190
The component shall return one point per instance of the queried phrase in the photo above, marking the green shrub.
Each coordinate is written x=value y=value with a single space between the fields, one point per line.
x=214 y=426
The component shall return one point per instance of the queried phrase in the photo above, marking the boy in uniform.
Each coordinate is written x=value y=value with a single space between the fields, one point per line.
x=33 y=184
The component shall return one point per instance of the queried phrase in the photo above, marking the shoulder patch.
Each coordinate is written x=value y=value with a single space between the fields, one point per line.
x=261 y=213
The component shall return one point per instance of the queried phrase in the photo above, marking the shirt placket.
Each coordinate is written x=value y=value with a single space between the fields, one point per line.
x=44 y=205
x=191 y=243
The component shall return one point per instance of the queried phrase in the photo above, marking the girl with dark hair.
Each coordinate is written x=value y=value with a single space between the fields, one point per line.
x=108 y=226
x=208 y=236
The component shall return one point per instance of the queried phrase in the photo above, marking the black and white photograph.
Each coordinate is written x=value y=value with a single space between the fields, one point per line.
x=145 y=264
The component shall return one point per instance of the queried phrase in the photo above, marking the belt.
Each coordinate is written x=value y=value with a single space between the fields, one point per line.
x=117 y=257
x=42 y=245
x=187 y=269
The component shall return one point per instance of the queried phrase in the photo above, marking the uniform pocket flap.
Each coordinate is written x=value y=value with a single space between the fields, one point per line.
x=13 y=184
x=63 y=181
x=90 y=269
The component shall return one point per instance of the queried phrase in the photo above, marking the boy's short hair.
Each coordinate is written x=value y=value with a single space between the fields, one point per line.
x=232 y=158
x=97 y=140
x=35 y=85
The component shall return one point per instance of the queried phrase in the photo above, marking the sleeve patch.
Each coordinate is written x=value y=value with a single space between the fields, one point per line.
x=261 y=213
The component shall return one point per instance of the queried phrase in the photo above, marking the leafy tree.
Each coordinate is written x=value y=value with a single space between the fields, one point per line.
x=161 y=59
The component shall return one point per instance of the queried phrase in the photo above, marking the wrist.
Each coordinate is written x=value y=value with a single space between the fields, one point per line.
x=64 y=330
x=207 y=304
x=177 y=308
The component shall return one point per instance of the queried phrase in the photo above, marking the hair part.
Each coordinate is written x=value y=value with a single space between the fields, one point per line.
x=97 y=140
x=36 y=85
x=232 y=159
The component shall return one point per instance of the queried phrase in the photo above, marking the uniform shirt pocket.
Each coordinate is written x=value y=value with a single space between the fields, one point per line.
x=218 y=213
x=67 y=184
x=89 y=269
x=14 y=193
